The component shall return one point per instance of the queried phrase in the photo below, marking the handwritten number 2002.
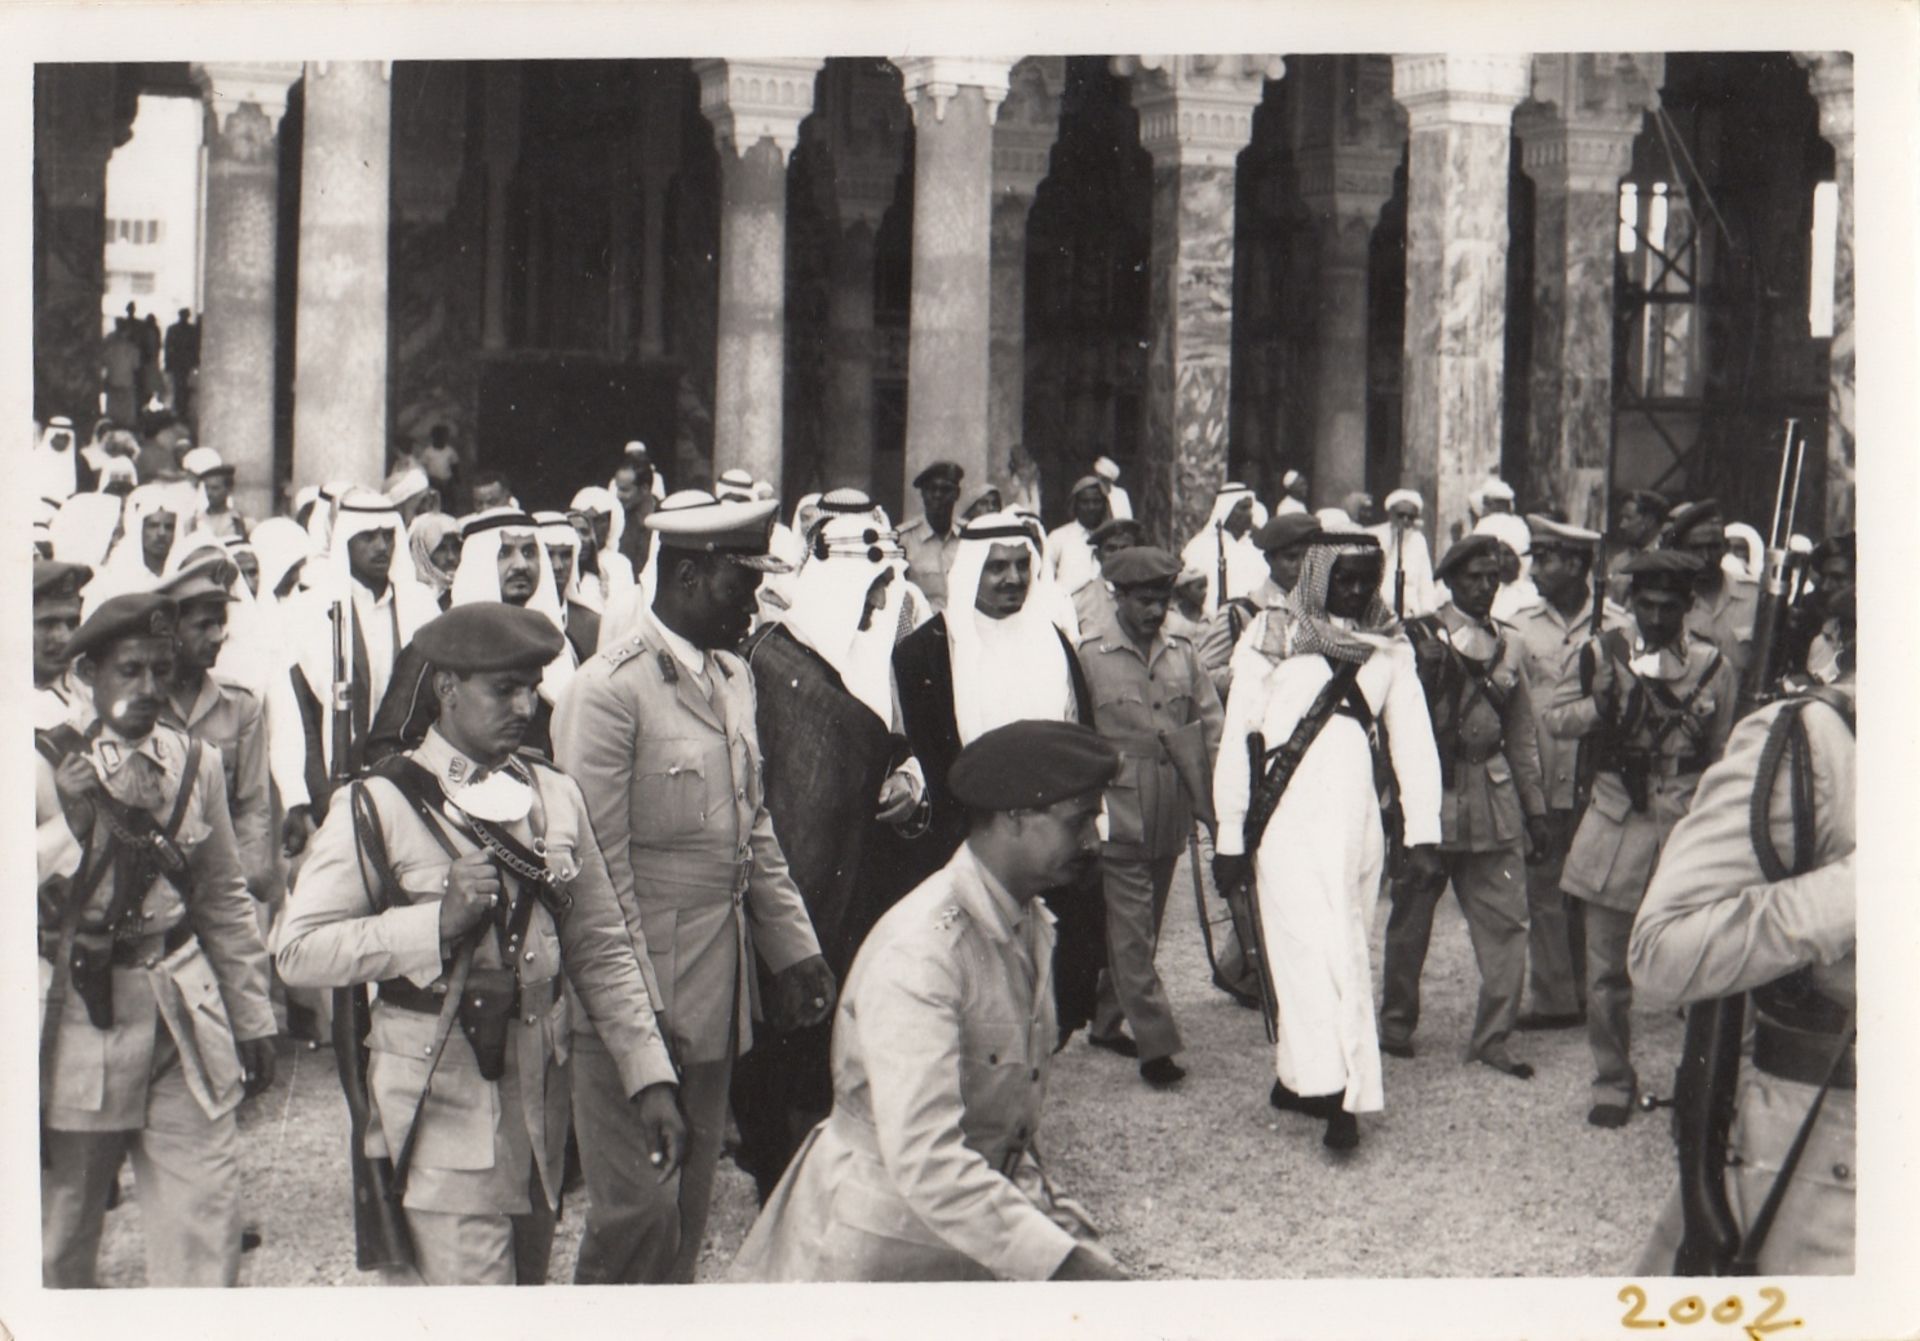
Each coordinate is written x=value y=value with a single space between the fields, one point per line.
x=1693 y=1308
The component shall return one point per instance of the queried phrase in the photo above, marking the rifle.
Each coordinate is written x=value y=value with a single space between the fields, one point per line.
x=1709 y=1068
x=1399 y=571
x=1220 y=567
x=380 y=1237
x=1243 y=900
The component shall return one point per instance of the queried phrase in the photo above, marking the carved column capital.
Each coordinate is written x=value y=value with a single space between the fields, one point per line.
x=1461 y=88
x=1830 y=79
x=1028 y=124
x=227 y=86
x=1346 y=181
x=753 y=100
x=1577 y=131
x=1197 y=109
x=930 y=82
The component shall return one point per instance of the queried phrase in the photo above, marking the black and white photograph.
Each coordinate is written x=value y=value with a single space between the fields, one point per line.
x=699 y=645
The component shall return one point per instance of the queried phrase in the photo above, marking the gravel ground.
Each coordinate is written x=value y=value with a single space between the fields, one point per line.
x=1468 y=1173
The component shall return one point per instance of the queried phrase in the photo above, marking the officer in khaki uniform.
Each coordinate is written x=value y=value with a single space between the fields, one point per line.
x=926 y=1169
x=1655 y=706
x=1154 y=703
x=153 y=980
x=1492 y=808
x=658 y=729
x=1552 y=628
x=225 y=715
x=932 y=539
x=1724 y=605
x=487 y=1162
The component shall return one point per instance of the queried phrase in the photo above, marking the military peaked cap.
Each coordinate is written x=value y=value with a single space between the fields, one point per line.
x=940 y=470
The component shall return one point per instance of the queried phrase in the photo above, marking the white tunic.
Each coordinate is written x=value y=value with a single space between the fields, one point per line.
x=1319 y=863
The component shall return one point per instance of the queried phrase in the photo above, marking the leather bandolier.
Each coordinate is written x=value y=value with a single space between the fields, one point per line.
x=1648 y=707
x=1453 y=689
x=483 y=1000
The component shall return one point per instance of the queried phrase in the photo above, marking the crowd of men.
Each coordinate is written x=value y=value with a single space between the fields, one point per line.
x=833 y=832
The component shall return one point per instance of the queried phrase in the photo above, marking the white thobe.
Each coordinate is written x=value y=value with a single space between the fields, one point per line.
x=1318 y=868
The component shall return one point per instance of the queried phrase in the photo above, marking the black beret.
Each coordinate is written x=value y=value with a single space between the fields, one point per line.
x=136 y=615
x=1287 y=529
x=1114 y=526
x=939 y=470
x=1466 y=550
x=1140 y=566
x=53 y=580
x=1687 y=516
x=1027 y=765
x=489 y=636
x=1661 y=569
x=1834 y=546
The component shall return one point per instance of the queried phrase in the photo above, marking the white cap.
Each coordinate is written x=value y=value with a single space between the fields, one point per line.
x=202 y=461
x=1107 y=469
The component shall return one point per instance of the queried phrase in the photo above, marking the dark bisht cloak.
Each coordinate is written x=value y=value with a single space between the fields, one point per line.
x=826 y=758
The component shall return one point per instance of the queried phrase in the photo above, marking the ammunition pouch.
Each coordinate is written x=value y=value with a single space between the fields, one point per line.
x=1805 y=1056
x=487 y=1008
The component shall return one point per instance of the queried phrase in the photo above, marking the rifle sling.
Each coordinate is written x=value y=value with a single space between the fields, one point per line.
x=1282 y=762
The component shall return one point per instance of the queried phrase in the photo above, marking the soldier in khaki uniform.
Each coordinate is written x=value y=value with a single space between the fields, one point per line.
x=56 y=617
x=1153 y=702
x=1492 y=809
x=927 y=1168
x=659 y=731
x=486 y=1163
x=1656 y=706
x=228 y=716
x=1724 y=605
x=1093 y=599
x=153 y=980
x=1553 y=626
x=932 y=539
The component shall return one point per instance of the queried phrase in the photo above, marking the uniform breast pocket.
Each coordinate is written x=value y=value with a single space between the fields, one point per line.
x=994 y=1073
x=1121 y=709
x=670 y=790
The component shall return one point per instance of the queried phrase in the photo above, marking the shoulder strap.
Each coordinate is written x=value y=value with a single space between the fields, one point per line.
x=420 y=789
x=442 y=1029
x=1837 y=699
x=189 y=775
x=1280 y=764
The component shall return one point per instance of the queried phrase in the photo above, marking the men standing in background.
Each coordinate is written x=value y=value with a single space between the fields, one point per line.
x=1406 y=583
x=932 y=538
x=182 y=349
x=1070 y=546
x=1642 y=515
x=1723 y=606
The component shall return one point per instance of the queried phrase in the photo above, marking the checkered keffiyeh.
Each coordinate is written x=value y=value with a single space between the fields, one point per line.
x=1312 y=631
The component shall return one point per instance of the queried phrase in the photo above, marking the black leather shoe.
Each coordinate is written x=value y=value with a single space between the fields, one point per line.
x=1608 y=1115
x=1532 y=1023
x=1119 y=1043
x=1286 y=1100
x=1343 y=1131
x=1397 y=1049
x=1507 y=1066
x=1162 y=1072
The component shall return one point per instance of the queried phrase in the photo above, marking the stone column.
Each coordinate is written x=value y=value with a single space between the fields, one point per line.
x=756 y=108
x=1196 y=115
x=1023 y=137
x=1350 y=138
x=1576 y=139
x=340 y=336
x=234 y=404
x=76 y=127
x=659 y=155
x=503 y=152
x=1830 y=75
x=955 y=100
x=1459 y=111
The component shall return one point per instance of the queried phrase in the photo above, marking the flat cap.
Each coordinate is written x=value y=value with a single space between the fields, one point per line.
x=1114 y=526
x=205 y=579
x=1672 y=569
x=1465 y=550
x=940 y=470
x=693 y=519
x=1287 y=529
x=57 y=581
x=1027 y=765
x=142 y=614
x=1140 y=566
x=1689 y=515
x=1551 y=534
x=489 y=636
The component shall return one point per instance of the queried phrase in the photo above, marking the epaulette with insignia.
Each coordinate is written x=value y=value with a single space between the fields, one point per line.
x=624 y=651
x=948 y=917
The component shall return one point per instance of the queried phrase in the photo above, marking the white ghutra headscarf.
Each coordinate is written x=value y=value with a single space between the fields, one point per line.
x=1004 y=670
x=478 y=579
x=830 y=606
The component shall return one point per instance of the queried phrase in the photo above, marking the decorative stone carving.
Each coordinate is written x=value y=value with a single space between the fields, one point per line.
x=1196 y=115
x=934 y=81
x=235 y=398
x=1459 y=109
x=1830 y=77
x=753 y=100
